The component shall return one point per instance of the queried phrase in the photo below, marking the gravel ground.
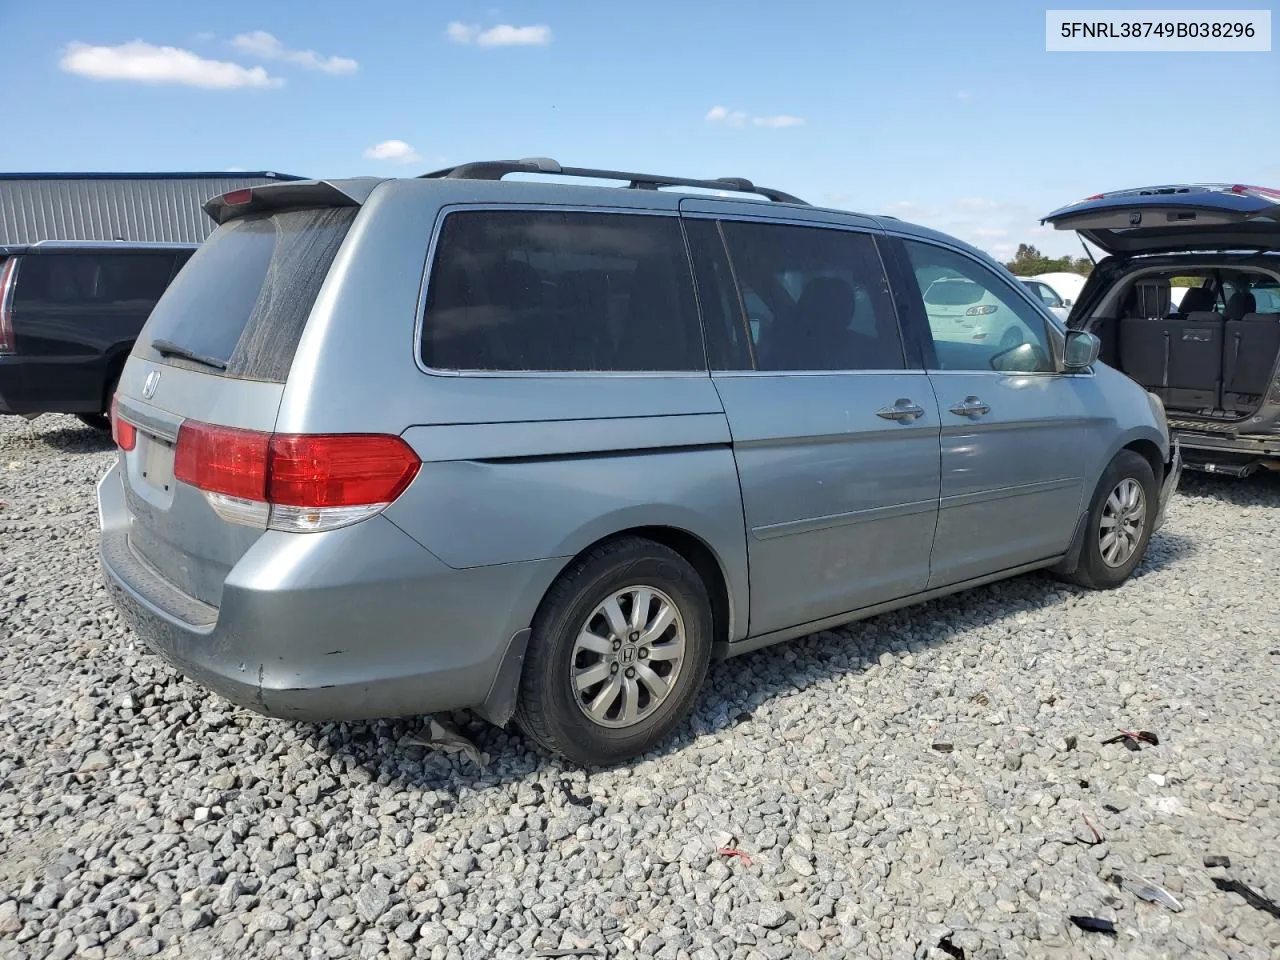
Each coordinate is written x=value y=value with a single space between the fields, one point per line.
x=140 y=816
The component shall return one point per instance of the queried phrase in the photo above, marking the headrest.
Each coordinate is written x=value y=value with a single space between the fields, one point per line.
x=1240 y=304
x=1149 y=298
x=827 y=302
x=1197 y=300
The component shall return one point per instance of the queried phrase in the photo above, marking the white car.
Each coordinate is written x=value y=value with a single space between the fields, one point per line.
x=961 y=311
x=1048 y=296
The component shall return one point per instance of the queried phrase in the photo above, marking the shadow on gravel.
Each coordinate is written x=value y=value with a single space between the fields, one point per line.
x=1262 y=489
x=733 y=691
x=76 y=439
x=1166 y=548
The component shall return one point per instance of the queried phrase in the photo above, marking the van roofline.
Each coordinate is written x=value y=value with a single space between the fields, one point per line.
x=355 y=191
x=497 y=169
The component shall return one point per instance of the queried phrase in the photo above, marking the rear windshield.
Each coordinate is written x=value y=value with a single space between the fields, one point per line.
x=122 y=280
x=953 y=293
x=240 y=305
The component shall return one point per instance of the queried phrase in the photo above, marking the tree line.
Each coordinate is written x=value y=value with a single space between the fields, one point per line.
x=1029 y=262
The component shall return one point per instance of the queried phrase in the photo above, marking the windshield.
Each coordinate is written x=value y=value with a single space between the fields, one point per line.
x=952 y=293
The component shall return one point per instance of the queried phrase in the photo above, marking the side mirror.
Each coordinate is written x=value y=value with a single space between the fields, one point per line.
x=1068 y=302
x=1082 y=351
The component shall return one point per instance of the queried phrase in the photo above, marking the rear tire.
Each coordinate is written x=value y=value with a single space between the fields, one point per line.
x=1119 y=523
x=102 y=421
x=620 y=647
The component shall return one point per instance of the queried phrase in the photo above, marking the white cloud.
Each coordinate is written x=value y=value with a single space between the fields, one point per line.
x=460 y=32
x=988 y=233
x=781 y=120
x=502 y=35
x=143 y=62
x=396 y=150
x=259 y=43
x=739 y=118
x=735 y=118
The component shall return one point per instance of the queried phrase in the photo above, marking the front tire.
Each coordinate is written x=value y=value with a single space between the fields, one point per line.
x=1119 y=524
x=619 y=649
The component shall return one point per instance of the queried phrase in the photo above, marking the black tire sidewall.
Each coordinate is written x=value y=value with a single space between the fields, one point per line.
x=1125 y=464
x=99 y=421
x=558 y=722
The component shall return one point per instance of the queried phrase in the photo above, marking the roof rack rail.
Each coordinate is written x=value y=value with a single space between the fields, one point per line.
x=497 y=169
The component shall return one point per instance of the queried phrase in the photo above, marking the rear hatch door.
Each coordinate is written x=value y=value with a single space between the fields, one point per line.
x=1172 y=219
x=217 y=349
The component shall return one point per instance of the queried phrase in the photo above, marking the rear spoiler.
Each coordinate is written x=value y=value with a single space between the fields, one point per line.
x=291 y=195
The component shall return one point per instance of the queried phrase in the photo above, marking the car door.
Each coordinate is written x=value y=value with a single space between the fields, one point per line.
x=834 y=434
x=1012 y=490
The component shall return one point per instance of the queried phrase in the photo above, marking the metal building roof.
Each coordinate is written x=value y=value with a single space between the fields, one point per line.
x=148 y=207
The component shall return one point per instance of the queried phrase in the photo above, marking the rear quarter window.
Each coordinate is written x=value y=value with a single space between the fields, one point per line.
x=516 y=290
x=243 y=299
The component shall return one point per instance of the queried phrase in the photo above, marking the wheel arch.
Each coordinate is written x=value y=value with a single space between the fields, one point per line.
x=1149 y=451
x=499 y=705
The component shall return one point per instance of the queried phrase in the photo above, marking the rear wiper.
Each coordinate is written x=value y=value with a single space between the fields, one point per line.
x=167 y=348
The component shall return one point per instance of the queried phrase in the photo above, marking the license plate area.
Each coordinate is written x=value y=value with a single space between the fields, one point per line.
x=156 y=462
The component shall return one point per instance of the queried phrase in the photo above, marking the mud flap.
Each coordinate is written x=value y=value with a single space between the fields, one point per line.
x=500 y=703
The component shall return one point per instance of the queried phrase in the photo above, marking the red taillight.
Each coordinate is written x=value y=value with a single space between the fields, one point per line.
x=339 y=470
x=222 y=460
x=238 y=198
x=6 y=306
x=1096 y=196
x=1246 y=188
x=124 y=433
x=315 y=471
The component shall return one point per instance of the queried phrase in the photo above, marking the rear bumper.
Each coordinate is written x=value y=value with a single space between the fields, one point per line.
x=353 y=624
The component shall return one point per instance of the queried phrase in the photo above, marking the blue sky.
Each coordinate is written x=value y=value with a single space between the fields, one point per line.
x=950 y=114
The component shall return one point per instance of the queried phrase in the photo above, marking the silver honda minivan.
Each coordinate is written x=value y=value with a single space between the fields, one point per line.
x=543 y=449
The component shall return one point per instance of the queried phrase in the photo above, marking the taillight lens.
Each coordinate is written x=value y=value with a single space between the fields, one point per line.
x=222 y=460
x=124 y=433
x=297 y=482
x=339 y=470
x=7 y=344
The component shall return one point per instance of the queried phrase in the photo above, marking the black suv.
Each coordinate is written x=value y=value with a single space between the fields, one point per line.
x=1212 y=355
x=69 y=314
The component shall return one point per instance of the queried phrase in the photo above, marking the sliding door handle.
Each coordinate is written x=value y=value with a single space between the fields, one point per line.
x=903 y=410
x=971 y=407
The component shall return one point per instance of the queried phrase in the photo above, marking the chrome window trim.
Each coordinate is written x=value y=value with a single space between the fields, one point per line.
x=437 y=228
